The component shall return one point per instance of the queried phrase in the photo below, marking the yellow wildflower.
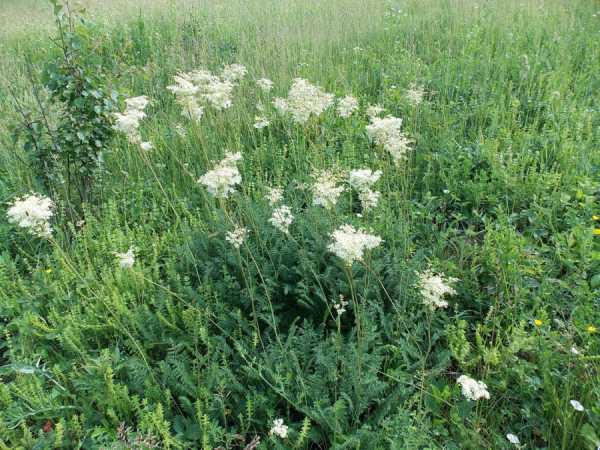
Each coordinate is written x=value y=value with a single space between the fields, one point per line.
x=48 y=270
x=538 y=322
x=591 y=329
x=596 y=232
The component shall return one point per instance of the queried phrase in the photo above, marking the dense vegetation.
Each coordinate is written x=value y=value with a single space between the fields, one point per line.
x=203 y=338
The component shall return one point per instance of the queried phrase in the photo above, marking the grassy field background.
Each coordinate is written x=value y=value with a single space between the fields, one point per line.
x=200 y=345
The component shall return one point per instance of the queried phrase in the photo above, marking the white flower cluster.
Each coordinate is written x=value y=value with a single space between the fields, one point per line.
x=265 y=84
x=346 y=106
x=201 y=86
x=472 y=389
x=32 y=212
x=340 y=307
x=414 y=94
x=362 y=180
x=434 y=287
x=274 y=196
x=237 y=236
x=126 y=260
x=349 y=244
x=221 y=181
x=279 y=429
x=261 y=122
x=304 y=99
x=374 y=110
x=325 y=190
x=386 y=132
x=282 y=218
x=128 y=122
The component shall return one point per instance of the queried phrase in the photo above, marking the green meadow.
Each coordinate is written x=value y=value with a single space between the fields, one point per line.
x=192 y=258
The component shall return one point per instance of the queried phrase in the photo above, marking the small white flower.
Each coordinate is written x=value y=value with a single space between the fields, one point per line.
x=180 y=130
x=221 y=181
x=265 y=84
x=304 y=99
x=346 y=106
x=513 y=439
x=473 y=389
x=368 y=199
x=340 y=307
x=415 y=94
x=577 y=406
x=575 y=351
x=282 y=218
x=374 y=110
x=261 y=122
x=126 y=260
x=362 y=179
x=233 y=73
x=32 y=212
x=434 y=288
x=145 y=146
x=275 y=195
x=349 y=244
x=387 y=133
x=237 y=236
x=279 y=429
x=325 y=190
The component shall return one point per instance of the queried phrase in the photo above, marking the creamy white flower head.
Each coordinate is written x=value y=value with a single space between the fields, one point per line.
x=434 y=287
x=237 y=236
x=218 y=94
x=368 y=198
x=128 y=122
x=340 y=307
x=146 y=146
x=282 y=218
x=513 y=439
x=279 y=429
x=304 y=99
x=190 y=108
x=32 y=212
x=325 y=190
x=349 y=244
x=374 y=110
x=180 y=130
x=222 y=180
x=362 y=179
x=575 y=351
x=265 y=84
x=280 y=105
x=275 y=195
x=386 y=132
x=577 y=406
x=233 y=73
x=346 y=106
x=261 y=122
x=137 y=103
x=414 y=94
x=126 y=260
x=183 y=87
x=472 y=389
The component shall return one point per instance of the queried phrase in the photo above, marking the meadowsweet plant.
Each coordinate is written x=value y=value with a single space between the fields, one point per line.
x=347 y=106
x=387 y=133
x=237 y=236
x=472 y=389
x=202 y=87
x=414 y=94
x=264 y=84
x=326 y=190
x=128 y=122
x=435 y=287
x=303 y=101
x=350 y=244
x=222 y=180
x=282 y=218
x=127 y=259
x=362 y=180
x=32 y=212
